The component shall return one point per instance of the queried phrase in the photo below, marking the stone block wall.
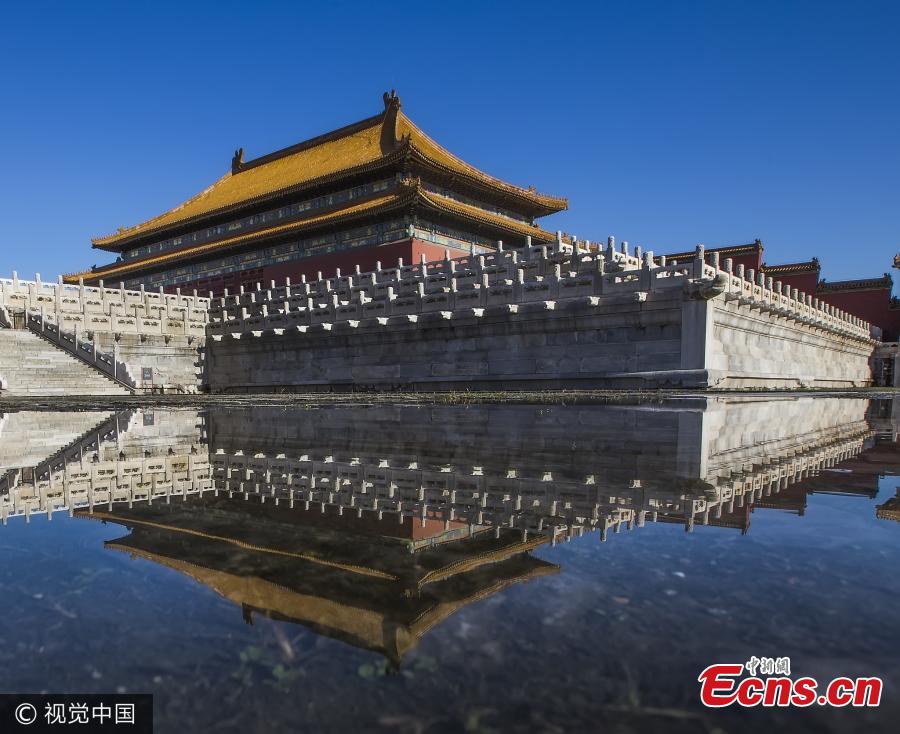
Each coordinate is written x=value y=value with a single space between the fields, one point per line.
x=613 y=341
x=171 y=364
x=159 y=433
x=536 y=319
x=753 y=348
x=738 y=433
x=529 y=441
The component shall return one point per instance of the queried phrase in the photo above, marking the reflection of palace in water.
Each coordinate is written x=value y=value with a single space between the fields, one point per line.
x=373 y=524
x=355 y=580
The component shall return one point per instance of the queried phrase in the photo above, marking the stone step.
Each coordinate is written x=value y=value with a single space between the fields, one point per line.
x=30 y=365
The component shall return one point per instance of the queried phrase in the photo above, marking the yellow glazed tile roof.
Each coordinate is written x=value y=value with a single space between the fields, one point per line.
x=810 y=266
x=349 y=151
x=885 y=282
x=376 y=141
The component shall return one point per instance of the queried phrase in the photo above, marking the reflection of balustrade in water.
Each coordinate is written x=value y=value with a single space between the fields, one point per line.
x=123 y=460
x=542 y=505
x=694 y=466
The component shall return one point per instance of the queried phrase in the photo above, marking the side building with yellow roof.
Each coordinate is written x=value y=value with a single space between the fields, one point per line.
x=379 y=190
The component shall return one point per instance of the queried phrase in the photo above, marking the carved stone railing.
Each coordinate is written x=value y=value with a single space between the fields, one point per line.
x=537 y=277
x=758 y=291
x=88 y=442
x=468 y=271
x=450 y=287
x=107 y=309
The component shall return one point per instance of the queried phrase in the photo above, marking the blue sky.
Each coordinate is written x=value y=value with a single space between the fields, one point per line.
x=665 y=123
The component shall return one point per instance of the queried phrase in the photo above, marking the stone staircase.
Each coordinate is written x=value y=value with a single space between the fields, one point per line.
x=30 y=365
x=87 y=352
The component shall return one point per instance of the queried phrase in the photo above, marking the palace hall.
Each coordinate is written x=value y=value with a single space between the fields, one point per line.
x=380 y=193
x=377 y=191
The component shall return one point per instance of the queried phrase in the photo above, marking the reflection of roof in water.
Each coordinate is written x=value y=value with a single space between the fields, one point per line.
x=368 y=591
x=890 y=509
x=344 y=541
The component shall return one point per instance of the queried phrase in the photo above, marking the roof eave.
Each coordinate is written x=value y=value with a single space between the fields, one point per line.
x=121 y=269
x=519 y=229
x=726 y=249
x=538 y=204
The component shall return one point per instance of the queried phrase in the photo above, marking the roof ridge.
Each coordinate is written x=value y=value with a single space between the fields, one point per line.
x=885 y=278
x=721 y=248
x=328 y=137
x=812 y=264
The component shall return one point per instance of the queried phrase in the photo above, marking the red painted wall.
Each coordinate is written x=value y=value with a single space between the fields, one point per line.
x=803 y=282
x=752 y=260
x=873 y=305
x=389 y=255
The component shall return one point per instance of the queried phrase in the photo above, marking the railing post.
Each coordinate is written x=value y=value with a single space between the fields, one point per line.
x=699 y=261
x=647 y=271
